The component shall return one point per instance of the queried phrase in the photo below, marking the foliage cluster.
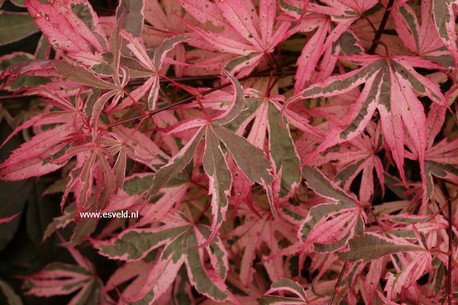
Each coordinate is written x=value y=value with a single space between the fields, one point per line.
x=278 y=152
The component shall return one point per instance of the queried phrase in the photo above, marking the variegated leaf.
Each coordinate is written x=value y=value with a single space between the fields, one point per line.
x=220 y=179
x=369 y=247
x=176 y=164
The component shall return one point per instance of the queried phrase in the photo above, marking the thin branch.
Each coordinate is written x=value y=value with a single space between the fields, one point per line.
x=188 y=99
x=5 y=95
x=192 y=97
x=370 y=22
x=185 y=79
x=336 y=287
x=381 y=28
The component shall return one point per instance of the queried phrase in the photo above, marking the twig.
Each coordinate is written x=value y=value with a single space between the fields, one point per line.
x=370 y=22
x=381 y=28
x=190 y=98
x=5 y=95
x=331 y=300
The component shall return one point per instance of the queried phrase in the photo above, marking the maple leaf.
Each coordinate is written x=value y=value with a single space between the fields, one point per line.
x=51 y=149
x=412 y=260
x=115 y=89
x=360 y=156
x=179 y=240
x=444 y=18
x=152 y=66
x=86 y=77
x=171 y=198
x=440 y=158
x=220 y=178
x=412 y=270
x=71 y=26
x=331 y=23
x=68 y=215
x=132 y=197
x=368 y=247
x=313 y=49
x=236 y=27
x=247 y=157
x=255 y=233
x=137 y=272
x=371 y=283
x=34 y=158
x=37 y=156
x=163 y=21
x=131 y=14
x=81 y=75
x=377 y=251
x=19 y=67
x=262 y=119
x=64 y=279
x=285 y=285
x=329 y=226
x=185 y=166
x=137 y=146
x=422 y=39
x=91 y=166
x=391 y=85
x=250 y=160
x=322 y=267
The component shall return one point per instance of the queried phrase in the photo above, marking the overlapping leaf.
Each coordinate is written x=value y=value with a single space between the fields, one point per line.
x=331 y=21
x=101 y=82
x=444 y=18
x=220 y=178
x=369 y=247
x=177 y=240
x=440 y=158
x=130 y=13
x=247 y=157
x=71 y=26
x=329 y=226
x=37 y=156
x=238 y=27
x=162 y=15
x=267 y=125
x=423 y=39
x=255 y=233
x=284 y=285
x=391 y=86
x=64 y=279
x=152 y=66
x=360 y=156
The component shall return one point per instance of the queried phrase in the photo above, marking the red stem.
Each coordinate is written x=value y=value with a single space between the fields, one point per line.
x=381 y=28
